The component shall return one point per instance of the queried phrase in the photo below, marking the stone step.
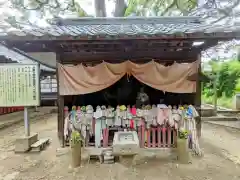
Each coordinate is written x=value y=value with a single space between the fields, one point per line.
x=106 y=158
x=228 y=124
x=109 y=162
x=40 y=145
x=219 y=118
x=229 y=112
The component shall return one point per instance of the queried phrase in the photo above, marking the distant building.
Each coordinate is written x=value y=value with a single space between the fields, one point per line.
x=48 y=82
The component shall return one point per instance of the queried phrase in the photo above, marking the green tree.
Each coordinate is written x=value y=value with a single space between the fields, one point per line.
x=47 y=9
x=228 y=78
x=52 y=8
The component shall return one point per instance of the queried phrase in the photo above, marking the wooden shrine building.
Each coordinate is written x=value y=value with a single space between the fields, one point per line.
x=90 y=41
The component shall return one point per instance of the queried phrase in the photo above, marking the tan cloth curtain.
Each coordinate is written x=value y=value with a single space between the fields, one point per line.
x=82 y=80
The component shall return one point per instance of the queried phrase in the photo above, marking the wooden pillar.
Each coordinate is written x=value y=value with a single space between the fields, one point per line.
x=198 y=99
x=60 y=102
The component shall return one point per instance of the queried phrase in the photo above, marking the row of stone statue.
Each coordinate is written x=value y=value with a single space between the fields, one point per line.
x=153 y=115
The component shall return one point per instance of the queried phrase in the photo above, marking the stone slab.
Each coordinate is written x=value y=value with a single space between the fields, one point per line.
x=228 y=124
x=125 y=143
x=125 y=138
x=23 y=144
x=39 y=145
x=93 y=151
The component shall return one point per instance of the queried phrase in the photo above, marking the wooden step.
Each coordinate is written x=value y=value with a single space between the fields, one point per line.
x=39 y=145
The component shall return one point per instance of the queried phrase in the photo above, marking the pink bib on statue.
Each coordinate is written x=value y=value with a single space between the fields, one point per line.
x=134 y=111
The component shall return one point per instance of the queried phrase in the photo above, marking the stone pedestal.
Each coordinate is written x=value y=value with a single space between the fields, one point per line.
x=125 y=143
x=76 y=155
x=24 y=143
x=207 y=112
x=108 y=157
x=183 y=154
x=236 y=102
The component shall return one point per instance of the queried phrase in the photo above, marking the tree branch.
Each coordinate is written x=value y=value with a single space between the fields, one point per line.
x=226 y=11
x=100 y=8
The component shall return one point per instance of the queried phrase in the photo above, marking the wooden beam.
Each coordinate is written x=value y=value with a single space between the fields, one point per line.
x=198 y=100
x=196 y=36
x=205 y=45
x=60 y=102
x=46 y=46
x=75 y=58
x=47 y=73
x=198 y=85
x=108 y=45
x=123 y=41
x=32 y=46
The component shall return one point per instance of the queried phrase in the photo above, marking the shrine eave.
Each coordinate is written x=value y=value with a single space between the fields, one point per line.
x=194 y=36
x=84 y=29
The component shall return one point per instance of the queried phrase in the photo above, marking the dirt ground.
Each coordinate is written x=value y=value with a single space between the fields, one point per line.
x=220 y=146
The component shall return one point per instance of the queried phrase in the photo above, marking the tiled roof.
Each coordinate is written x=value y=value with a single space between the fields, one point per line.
x=21 y=58
x=124 y=27
x=217 y=17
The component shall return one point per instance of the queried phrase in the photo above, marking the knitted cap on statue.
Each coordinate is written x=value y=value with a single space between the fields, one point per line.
x=98 y=113
x=89 y=109
x=134 y=111
x=83 y=108
x=162 y=106
x=118 y=121
x=194 y=111
x=123 y=108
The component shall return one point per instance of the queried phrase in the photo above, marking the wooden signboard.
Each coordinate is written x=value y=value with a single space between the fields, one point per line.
x=19 y=85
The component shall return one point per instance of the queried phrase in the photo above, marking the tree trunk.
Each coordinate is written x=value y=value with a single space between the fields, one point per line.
x=238 y=54
x=120 y=8
x=100 y=8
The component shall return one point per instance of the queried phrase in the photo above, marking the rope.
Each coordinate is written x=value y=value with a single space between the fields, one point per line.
x=70 y=124
x=195 y=140
x=128 y=76
x=190 y=125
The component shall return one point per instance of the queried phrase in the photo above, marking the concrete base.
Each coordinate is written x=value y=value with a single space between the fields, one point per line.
x=219 y=118
x=207 y=112
x=23 y=144
x=125 y=143
x=146 y=152
x=183 y=153
x=236 y=102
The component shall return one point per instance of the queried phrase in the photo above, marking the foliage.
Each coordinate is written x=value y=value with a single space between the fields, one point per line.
x=223 y=101
x=159 y=7
x=183 y=134
x=47 y=9
x=76 y=138
x=237 y=88
x=227 y=77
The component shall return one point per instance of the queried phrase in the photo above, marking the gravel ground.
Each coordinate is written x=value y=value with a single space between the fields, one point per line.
x=218 y=163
